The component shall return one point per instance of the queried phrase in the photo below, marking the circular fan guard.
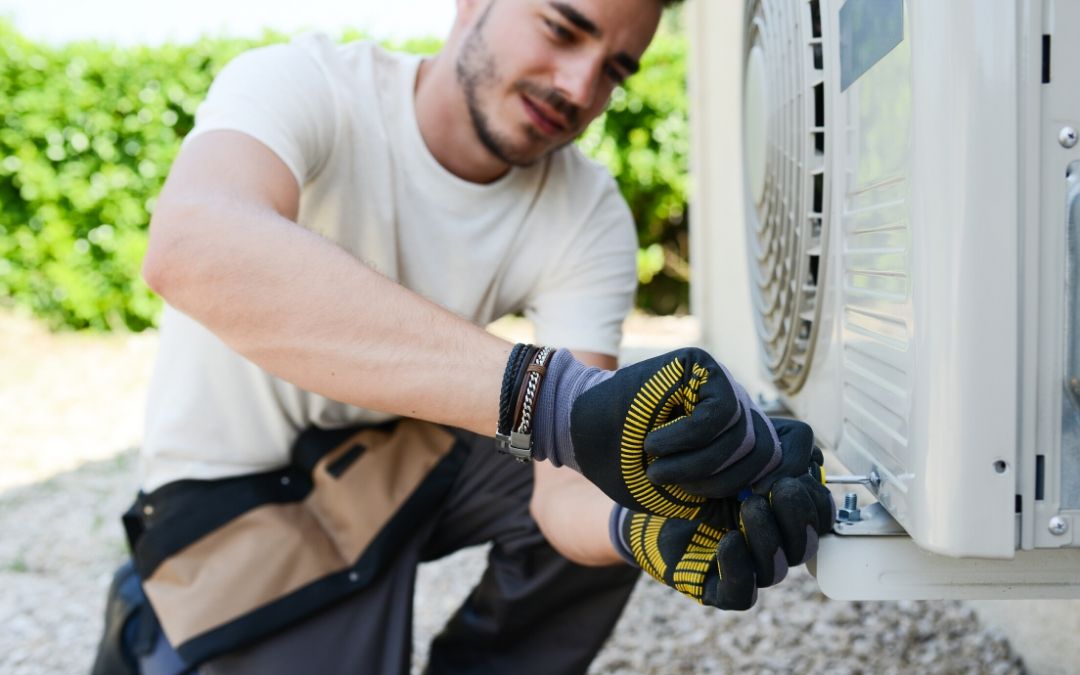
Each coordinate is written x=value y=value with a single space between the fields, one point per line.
x=784 y=153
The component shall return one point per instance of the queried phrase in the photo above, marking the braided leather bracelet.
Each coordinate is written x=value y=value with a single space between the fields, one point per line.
x=506 y=412
x=515 y=439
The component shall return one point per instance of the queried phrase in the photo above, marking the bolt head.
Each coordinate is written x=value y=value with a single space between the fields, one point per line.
x=1068 y=137
x=1058 y=525
x=848 y=515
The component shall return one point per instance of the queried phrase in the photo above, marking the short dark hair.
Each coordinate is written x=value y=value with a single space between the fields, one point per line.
x=670 y=3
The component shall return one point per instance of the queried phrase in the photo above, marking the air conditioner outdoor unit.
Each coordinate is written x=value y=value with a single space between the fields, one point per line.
x=897 y=258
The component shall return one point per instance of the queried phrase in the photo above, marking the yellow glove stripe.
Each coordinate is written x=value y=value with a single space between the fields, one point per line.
x=690 y=571
x=710 y=532
x=651 y=407
x=644 y=544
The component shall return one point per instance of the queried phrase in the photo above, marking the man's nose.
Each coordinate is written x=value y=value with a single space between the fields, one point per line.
x=576 y=80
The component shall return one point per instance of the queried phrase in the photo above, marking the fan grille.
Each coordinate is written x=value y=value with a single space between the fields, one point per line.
x=785 y=150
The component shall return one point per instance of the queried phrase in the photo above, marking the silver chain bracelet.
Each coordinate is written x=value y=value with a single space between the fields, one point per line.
x=530 y=393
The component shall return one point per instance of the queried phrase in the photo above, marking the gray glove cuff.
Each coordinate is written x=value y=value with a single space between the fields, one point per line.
x=566 y=379
x=616 y=531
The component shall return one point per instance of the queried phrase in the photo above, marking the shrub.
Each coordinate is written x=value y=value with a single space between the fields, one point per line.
x=89 y=131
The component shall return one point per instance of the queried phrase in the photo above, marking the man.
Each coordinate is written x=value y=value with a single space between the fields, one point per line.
x=332 y=233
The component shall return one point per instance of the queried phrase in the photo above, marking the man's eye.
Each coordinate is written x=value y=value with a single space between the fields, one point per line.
x=560 y=32
x=614 y=74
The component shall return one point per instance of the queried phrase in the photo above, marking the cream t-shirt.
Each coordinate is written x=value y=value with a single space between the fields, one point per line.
x=554 y=240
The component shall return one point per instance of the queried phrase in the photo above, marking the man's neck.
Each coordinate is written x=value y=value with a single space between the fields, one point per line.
x=443 y=117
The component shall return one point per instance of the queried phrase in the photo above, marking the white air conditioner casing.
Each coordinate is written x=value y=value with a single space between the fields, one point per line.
x=881 y=238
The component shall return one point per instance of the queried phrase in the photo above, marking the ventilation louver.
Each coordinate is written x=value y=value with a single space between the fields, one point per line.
x=785 y=146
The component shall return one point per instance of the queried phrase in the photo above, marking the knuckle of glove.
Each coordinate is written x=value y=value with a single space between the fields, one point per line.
x=789 y=500
x=796 y=514
x=796 y=433
x=735 y=587
x=696 y=430
x=764 y=540
x=796 y=446
x=726 y=466
x=823 y=503
x=796 y=441
x=697 y=355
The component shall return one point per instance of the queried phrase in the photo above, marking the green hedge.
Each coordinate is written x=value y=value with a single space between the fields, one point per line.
x=88 y=132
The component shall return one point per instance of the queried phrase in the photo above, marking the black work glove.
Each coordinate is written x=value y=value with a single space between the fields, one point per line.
x=712 y=566
x=788 y=509
x=753 y=543
x=675 y=436
x=667 y=436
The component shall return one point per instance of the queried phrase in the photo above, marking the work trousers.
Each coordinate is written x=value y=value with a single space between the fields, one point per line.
x=532 y=611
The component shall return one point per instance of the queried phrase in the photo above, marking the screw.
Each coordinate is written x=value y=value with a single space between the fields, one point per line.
x=1058 y=525
x=873 y=479
x=850 y=510
x=1067 y=137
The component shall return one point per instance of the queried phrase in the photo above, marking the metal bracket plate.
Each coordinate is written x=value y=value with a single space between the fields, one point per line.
x=875 y=521
x=895 y=568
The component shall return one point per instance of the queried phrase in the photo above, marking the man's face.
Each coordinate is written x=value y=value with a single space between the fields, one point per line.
x=535 y=72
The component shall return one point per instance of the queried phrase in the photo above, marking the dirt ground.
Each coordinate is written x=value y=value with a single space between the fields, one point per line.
x=71 y=418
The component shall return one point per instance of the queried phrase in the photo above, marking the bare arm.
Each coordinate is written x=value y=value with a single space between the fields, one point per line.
x=570 y=511
x=225 y=249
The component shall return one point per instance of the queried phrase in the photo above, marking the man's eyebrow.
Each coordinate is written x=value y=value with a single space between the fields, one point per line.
x=629 y=63
x=577 y=18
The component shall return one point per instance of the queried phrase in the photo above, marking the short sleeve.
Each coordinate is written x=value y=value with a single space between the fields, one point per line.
x=280 y=96
x=585 y=296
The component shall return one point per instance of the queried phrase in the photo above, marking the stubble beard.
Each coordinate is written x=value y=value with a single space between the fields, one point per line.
x=475 y=69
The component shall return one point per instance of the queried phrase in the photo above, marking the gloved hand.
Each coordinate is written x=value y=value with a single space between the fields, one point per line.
x=723 y=564
x=789 y=508
x=666 y=436
x=712 y=566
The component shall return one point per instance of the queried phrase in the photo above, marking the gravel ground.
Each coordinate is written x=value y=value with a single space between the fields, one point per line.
x=71 y=406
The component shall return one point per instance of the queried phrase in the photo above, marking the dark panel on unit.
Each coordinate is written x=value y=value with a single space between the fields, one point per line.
x=869 y=29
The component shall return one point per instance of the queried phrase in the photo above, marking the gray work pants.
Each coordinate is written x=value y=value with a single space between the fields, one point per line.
x=533 y=611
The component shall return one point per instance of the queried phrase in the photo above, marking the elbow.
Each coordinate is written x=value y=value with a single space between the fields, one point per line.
x=155 y=270
x=164 y=260
x=161 y=266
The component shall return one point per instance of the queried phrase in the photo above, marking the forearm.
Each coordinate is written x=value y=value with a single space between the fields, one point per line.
x=307 y=311
x=573 y=515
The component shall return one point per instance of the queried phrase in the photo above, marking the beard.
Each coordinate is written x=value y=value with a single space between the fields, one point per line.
x=476 y=71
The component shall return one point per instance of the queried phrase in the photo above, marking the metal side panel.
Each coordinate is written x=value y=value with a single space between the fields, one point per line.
x=1057 y=417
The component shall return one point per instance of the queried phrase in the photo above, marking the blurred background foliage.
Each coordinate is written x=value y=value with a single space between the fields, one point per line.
x=88 y=132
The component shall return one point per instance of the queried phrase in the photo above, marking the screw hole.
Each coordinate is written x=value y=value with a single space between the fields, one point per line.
x=1000 y=466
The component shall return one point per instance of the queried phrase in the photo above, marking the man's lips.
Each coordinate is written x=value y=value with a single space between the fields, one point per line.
x=548 y=122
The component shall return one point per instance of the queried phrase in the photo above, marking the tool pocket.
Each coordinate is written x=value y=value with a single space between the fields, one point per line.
x=228 y=562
